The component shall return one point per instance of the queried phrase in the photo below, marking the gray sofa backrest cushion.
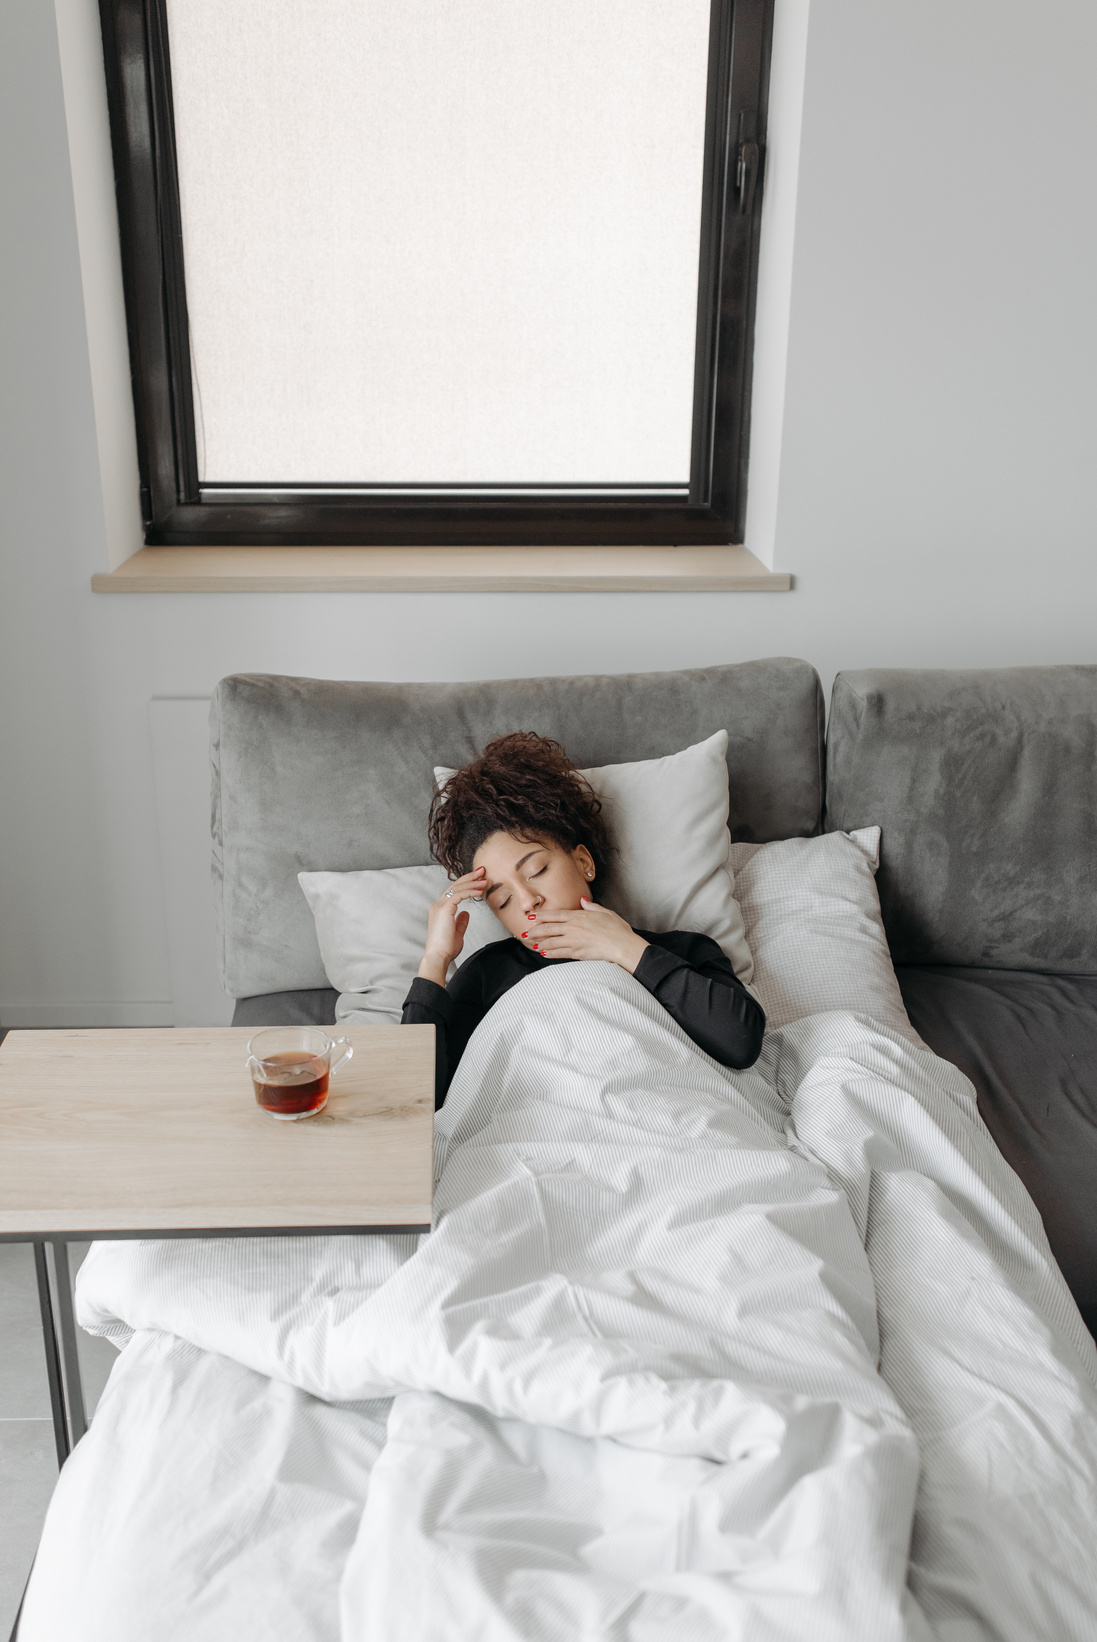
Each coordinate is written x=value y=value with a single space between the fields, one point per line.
x=310 y=775
x=985 y=787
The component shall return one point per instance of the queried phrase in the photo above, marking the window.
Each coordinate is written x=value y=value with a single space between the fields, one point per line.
x=439 y=271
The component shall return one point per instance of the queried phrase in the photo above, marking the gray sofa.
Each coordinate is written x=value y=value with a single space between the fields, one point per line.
x=984 y=784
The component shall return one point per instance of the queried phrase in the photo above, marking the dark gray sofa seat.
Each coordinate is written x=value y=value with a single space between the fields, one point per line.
x=1028 y=1042
x=314 y=1007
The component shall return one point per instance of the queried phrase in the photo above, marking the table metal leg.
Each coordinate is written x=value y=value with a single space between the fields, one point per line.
x=53 y=1355
x=19 y=1614
x=62 y=1356
x=70 y=1356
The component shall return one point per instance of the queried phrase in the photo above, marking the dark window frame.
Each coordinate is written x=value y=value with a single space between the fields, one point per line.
x=176 y=514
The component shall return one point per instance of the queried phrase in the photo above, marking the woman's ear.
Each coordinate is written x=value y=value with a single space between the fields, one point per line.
x=584 y=860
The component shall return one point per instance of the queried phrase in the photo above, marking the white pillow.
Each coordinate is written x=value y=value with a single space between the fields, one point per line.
x=371 y=927
x=668 y=818
x=813 y=922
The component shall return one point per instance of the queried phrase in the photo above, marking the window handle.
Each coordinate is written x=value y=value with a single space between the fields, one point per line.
x=747 y=176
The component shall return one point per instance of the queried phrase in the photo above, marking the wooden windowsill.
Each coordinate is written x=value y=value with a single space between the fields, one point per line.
x=442 y=570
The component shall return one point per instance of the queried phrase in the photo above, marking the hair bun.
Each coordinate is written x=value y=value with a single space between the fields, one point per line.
x=523 y=784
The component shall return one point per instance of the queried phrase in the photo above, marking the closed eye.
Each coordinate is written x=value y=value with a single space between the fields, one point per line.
x=504 y=904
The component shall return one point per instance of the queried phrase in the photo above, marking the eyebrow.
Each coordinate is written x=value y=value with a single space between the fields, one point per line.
x=489 y=892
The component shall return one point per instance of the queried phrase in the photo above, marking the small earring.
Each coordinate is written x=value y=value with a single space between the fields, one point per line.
x=590 y=875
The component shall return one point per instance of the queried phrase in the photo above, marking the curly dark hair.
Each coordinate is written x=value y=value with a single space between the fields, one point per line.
x=524 y=784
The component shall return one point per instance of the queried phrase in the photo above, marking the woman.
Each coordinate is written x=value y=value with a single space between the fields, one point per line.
x=519 y=828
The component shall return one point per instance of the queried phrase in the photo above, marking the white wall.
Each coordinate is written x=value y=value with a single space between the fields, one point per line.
x=935 y=502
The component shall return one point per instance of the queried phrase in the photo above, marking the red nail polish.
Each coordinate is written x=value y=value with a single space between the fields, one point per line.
x=525 y=932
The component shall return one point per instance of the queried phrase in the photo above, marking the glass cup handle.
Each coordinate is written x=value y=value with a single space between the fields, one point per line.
x=250 y=1062
x=344 y=1057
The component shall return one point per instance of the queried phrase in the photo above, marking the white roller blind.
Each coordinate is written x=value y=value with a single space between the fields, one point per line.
x=441 y=241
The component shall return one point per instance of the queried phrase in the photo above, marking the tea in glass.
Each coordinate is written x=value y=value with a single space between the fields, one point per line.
x=290 y=1085
x=291 y=1068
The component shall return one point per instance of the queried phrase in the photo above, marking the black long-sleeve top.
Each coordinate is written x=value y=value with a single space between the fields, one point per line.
x=689 y=975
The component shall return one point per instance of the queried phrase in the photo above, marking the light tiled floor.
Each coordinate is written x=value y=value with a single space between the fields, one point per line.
x=28 y=1459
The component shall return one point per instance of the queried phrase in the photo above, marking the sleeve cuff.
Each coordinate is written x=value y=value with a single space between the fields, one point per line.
x=656 y=964
x=429 y=995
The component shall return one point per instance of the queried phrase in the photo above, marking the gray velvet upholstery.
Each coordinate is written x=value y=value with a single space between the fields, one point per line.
x=1028 y=1043
x=985 y=787
x=321 y=776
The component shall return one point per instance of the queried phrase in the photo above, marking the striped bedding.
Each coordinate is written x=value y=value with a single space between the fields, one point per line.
x=690 y=1354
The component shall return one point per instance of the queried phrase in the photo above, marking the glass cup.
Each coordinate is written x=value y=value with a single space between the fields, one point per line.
x=290 y=1067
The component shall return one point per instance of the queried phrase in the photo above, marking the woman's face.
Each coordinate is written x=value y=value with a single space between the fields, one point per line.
x=524 y=877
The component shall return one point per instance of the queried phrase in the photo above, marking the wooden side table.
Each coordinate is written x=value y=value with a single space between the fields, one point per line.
x=156 y=1133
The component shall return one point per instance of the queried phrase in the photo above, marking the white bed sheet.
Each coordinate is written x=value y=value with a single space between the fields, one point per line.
x=633 y=1371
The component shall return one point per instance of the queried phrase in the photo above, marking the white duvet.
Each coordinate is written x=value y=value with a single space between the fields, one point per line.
x=690 y=1354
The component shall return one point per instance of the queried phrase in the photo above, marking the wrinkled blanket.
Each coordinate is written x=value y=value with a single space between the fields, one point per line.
x=688 y=1354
